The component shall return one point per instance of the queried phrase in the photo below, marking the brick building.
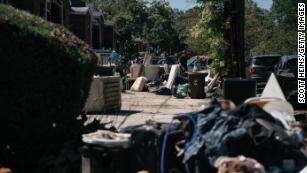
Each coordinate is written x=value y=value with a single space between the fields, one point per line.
x=87 y=23
x=83 y=19
x=56 y=11
x=97 y=27
x=110 y=36
x=80 y=23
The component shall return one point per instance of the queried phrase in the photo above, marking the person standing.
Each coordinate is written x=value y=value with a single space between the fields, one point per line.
x=183 y=60
x=114 y=57
x=168 y=62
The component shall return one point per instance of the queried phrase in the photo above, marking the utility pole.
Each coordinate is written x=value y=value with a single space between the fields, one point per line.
x=237 y=21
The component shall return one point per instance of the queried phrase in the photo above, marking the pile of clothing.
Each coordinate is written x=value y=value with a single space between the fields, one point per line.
x=247 y=130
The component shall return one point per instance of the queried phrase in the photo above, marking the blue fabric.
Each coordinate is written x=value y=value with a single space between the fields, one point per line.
x=248 y=130
x=115 y=56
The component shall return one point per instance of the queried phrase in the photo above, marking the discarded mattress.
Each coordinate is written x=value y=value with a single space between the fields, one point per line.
x=137 y=70
x=172 y=76
x=152 y=72
x=147 y=59
x=139 y=84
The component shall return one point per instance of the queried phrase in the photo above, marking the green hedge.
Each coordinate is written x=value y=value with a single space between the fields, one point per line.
x=45 y=74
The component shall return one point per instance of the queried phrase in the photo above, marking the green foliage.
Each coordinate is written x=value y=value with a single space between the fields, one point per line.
x=159 y=31
x=130 y=18
x=210 y=32
x=283 y=14
x=258 y=29
x=152 y=22
x=45 y=74
x=184 y=22
x=266 y=31
x=271 y=31
x=124 y=27
x=106 y=7
x=218 y=93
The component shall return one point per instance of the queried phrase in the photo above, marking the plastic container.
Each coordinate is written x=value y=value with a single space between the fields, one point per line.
x=238 y=90
x=197 y=85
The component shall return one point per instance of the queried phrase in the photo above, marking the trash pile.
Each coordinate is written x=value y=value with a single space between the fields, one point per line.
x=170 y=79
x=260 y=136
x=247 y=130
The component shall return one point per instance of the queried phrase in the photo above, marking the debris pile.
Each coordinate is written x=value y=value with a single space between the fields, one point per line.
x=220 y=138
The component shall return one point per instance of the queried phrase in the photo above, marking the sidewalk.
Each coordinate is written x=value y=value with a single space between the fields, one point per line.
x=139 y=107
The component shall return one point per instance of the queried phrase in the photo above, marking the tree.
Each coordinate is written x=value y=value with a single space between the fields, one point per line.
x=124 y=25
x=183 y=23
x=211 y=33
x=44 y=56
x=152 y=22
x=283 y=14
x=258 y=30
x=106 y=7
x=130 y=18
x=160 y=30
x=271 y=31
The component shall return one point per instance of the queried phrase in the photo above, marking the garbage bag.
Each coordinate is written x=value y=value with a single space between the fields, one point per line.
x=181 y=91
x=248 y=130
x=163 y=91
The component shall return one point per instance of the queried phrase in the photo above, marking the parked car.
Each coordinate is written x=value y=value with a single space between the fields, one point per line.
x=287 y=76
x=287 y=67
x=262 y=66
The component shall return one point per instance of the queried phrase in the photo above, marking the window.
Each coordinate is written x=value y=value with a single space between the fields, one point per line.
x=292 y=64
x=265 y=61
x=4 y=1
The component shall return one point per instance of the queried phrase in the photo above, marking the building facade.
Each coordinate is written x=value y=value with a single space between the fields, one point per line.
x=56 y=11
x=83 y=19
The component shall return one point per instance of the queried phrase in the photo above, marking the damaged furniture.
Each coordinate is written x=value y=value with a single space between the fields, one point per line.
x=152 y=72
x=104 y=95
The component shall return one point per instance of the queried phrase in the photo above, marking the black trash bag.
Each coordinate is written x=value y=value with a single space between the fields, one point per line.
x=163 y=91
x=248 y=131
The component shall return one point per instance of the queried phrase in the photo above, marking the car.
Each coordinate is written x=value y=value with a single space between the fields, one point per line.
x=286 y=72
x=287 y=67
x=261 y=68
